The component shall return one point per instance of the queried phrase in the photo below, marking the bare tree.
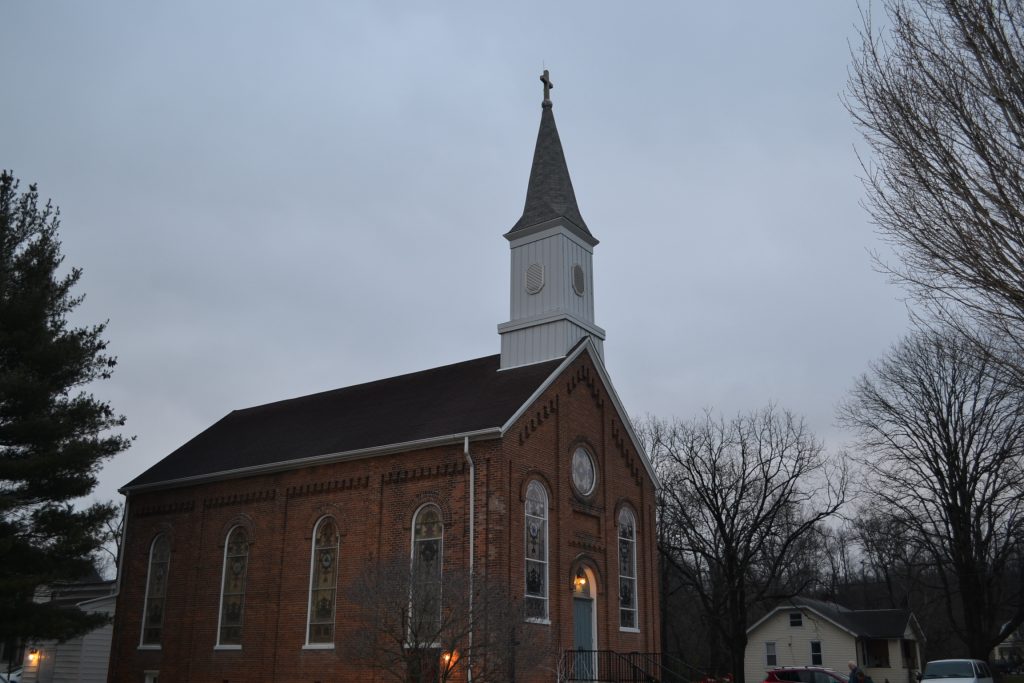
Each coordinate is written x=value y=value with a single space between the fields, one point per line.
x=109 y=554
x=410 y=636
x=940 y=101
x=738 y=498
x=941 y=433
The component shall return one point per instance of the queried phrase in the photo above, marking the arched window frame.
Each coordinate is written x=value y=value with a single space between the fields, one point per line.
x=316 y=551
x=156 y=591
x=222 y=642
x=627 y=571
x=416 y=579
x=535 y=511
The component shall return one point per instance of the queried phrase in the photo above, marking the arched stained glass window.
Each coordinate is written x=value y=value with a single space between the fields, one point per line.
x=536 y=538
x=156 y=590
x=627 y=570
x=323 y=582
x=232 y=591
x=427 y=558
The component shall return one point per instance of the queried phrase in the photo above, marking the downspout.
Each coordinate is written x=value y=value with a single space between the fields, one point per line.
x=121 y=544
x=472 y=516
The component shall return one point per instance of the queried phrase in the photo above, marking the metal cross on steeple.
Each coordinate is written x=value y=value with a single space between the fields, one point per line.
x=548 y=85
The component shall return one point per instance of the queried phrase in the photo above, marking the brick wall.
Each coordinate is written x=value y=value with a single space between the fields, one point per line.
x=373 y=502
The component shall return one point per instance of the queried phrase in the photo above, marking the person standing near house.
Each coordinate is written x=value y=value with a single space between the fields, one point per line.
x=857 y=674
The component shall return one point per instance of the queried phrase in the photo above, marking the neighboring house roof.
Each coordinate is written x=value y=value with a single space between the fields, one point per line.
x=104 y=603
x=453 y=399
x=549 y=194
x=871 y=623
x=71 y=593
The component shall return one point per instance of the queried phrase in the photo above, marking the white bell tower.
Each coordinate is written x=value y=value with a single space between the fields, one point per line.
x=552 y=284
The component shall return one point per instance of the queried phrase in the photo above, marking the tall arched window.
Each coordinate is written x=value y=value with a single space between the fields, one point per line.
x=232 y=588
x=536 y=536
x=156 y=590
x=627 y=570
x=323 y=582
x=427 y=557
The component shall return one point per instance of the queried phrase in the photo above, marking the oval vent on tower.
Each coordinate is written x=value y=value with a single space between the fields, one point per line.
x=579 y=284
x=534 y=278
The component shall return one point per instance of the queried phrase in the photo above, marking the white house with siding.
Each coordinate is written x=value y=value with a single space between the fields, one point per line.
x=886 y=643
x=80 y=660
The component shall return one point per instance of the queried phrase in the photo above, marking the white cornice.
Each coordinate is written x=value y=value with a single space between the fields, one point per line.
x=358 y=454
x=552 y=227
x=542 y=318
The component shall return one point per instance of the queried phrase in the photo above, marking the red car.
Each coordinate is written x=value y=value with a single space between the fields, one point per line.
x=804 y=674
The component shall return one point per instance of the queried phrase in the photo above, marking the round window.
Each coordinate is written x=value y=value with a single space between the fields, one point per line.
x=584 y=473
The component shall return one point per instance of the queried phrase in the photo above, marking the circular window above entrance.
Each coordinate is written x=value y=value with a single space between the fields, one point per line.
x=584 y=472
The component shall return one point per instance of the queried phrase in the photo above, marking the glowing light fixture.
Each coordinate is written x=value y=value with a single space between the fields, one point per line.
x=449 y=660
x=579 y=582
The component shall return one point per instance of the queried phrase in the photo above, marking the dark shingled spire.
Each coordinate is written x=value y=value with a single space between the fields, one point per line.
x=549 y=194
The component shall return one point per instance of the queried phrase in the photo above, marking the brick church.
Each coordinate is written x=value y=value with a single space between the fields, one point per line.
x=490 y=520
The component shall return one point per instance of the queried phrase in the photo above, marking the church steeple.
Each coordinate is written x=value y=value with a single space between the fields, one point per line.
x=549 y=194
x=552 y=284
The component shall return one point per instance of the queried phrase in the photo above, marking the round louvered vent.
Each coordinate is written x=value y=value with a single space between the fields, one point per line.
x=534 y=278
x=578 y=281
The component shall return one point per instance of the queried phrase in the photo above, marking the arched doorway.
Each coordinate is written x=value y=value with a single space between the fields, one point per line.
x=584 y=623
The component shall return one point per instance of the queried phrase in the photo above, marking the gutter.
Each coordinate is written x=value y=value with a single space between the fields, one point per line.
x=472 y=519
x=342 y=456
x=121 y=545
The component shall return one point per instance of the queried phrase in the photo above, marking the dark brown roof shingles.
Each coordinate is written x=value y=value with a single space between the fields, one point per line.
x=452 y=399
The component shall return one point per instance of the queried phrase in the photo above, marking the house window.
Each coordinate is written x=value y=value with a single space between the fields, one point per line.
x=427 y=557
x=815 y=653
x=323 y=582
x=769 y=654
x=232 y=590
x=796 y=619
x=627 y=570
x=876 y=654
x=156 y=590
x=536 y=538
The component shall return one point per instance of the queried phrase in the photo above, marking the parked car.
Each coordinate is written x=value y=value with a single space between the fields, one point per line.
x=957 y=671
x=804 y=674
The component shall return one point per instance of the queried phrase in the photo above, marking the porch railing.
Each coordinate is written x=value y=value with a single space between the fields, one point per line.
x=608 y=666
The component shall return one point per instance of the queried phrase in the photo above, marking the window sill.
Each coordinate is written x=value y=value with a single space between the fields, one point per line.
x=318 y=646
x=149 y=647
x=626 y=629
x=534 y=620
x=227 y=647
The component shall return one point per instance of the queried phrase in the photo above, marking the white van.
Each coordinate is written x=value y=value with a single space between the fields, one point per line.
x=957 y=671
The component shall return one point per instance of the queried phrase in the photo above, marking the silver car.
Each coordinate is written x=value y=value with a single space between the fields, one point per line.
x=957 y=671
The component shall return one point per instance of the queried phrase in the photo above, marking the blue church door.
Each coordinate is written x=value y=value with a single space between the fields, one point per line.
x=583 y=635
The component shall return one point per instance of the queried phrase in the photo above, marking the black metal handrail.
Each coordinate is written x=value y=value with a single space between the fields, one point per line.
x=610 y=666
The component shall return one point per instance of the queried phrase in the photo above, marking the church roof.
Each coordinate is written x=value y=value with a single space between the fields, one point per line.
x=451 y=400
x=549 y=194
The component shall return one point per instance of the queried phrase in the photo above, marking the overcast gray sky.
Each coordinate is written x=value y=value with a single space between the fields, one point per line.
x=272 y=199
